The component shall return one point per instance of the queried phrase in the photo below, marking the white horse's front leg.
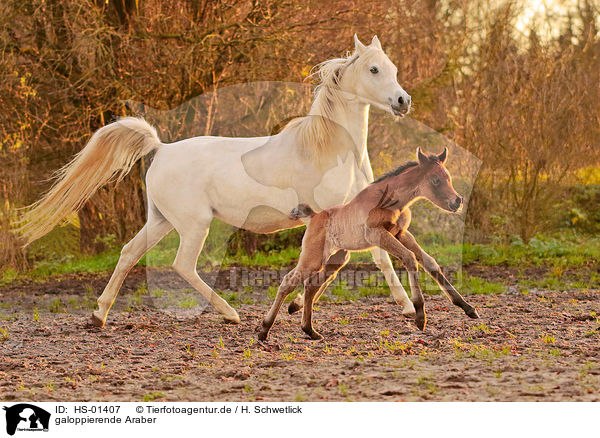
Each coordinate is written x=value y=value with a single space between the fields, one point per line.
x=383 y=262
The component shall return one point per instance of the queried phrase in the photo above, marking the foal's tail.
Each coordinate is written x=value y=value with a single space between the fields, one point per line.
x=108 y=156
x=302 y=210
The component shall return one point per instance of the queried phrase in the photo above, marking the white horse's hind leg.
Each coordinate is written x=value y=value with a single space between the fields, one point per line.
x=154 y=230
x=383 y=262
x=185 y=264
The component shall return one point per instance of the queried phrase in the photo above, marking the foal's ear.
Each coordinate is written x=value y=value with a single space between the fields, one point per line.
x=358 y=46
x=421 y=157
x=443 y=156
x=375 y=42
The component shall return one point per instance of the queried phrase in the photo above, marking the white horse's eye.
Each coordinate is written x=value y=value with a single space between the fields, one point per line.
x=374 y=70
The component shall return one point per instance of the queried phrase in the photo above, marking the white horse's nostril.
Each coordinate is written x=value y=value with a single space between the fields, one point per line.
x=400 y=101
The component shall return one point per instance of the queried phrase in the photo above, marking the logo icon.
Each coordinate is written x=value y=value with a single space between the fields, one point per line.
x=26 y=417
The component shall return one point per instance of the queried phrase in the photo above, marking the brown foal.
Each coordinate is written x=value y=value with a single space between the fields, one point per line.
x=378 y=216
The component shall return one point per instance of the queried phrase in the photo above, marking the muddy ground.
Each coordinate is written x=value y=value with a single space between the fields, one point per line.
x=543 y=345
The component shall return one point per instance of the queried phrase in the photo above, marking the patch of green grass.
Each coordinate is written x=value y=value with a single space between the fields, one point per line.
x=188 y=303
x=157 y=293
x=56 y=306
x=272 y=260
x=478 y=286
x=427 y=383
x=481 y=327
x=153 y=396
x=565 y=251
x=300 y=397
x=8 y=276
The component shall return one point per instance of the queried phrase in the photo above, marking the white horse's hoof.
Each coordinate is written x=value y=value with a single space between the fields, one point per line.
x=408 y=310
x=98 y=322
x=232 y=317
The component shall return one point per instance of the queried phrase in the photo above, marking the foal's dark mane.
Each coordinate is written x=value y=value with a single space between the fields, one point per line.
x=397 y=171
x=403 y=168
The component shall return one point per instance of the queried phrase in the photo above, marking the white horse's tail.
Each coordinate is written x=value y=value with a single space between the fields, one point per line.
x=108 y=156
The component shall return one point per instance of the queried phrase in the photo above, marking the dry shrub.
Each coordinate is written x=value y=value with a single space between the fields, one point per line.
x=529 y=110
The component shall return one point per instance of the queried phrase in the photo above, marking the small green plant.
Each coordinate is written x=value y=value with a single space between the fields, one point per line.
x=426 y=382
x=190 y=351
x=36 y=314
x=157 y=293
x=153 y=396
x=344 y=321
x=3 y=334
x=481 y=327
x=286 y=354
x=56 y=306
x=141 y=290
x=547 y=339
x=300 y=397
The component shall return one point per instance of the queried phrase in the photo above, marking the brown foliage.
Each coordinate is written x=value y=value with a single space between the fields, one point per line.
x=528 y=109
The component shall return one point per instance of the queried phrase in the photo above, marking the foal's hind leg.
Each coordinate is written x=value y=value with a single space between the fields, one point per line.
x=336 y=262
x=289 y=283
x=190 y=246
x=312 y=286
x=154 y=230
x=433 y=269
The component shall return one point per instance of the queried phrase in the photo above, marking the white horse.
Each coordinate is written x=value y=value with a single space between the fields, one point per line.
x=251 y=183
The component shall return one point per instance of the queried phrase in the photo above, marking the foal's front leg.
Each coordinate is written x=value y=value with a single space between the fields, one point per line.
x=385 y=240
x=433 y=269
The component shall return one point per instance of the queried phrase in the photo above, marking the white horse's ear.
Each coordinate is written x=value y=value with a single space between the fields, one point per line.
x=358 y=46
x=375 y=42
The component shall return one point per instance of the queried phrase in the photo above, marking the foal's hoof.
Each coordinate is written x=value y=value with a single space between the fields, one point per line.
x=294 y=307
x=97 y=321
x=263 y=335
x=421 y=322
x=472 y=313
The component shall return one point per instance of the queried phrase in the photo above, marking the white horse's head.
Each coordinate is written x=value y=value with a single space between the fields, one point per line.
x=372 y=77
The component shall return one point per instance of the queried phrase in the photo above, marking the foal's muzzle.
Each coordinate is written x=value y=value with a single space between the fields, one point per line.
x=455 y=204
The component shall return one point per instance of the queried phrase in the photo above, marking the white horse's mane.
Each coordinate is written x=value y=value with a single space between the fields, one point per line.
x=316 y=130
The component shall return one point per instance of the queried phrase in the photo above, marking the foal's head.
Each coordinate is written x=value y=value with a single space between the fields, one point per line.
x=436 y=183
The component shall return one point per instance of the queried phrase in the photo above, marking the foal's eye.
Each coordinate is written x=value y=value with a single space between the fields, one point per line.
x=374 y=70
x=435 y=180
